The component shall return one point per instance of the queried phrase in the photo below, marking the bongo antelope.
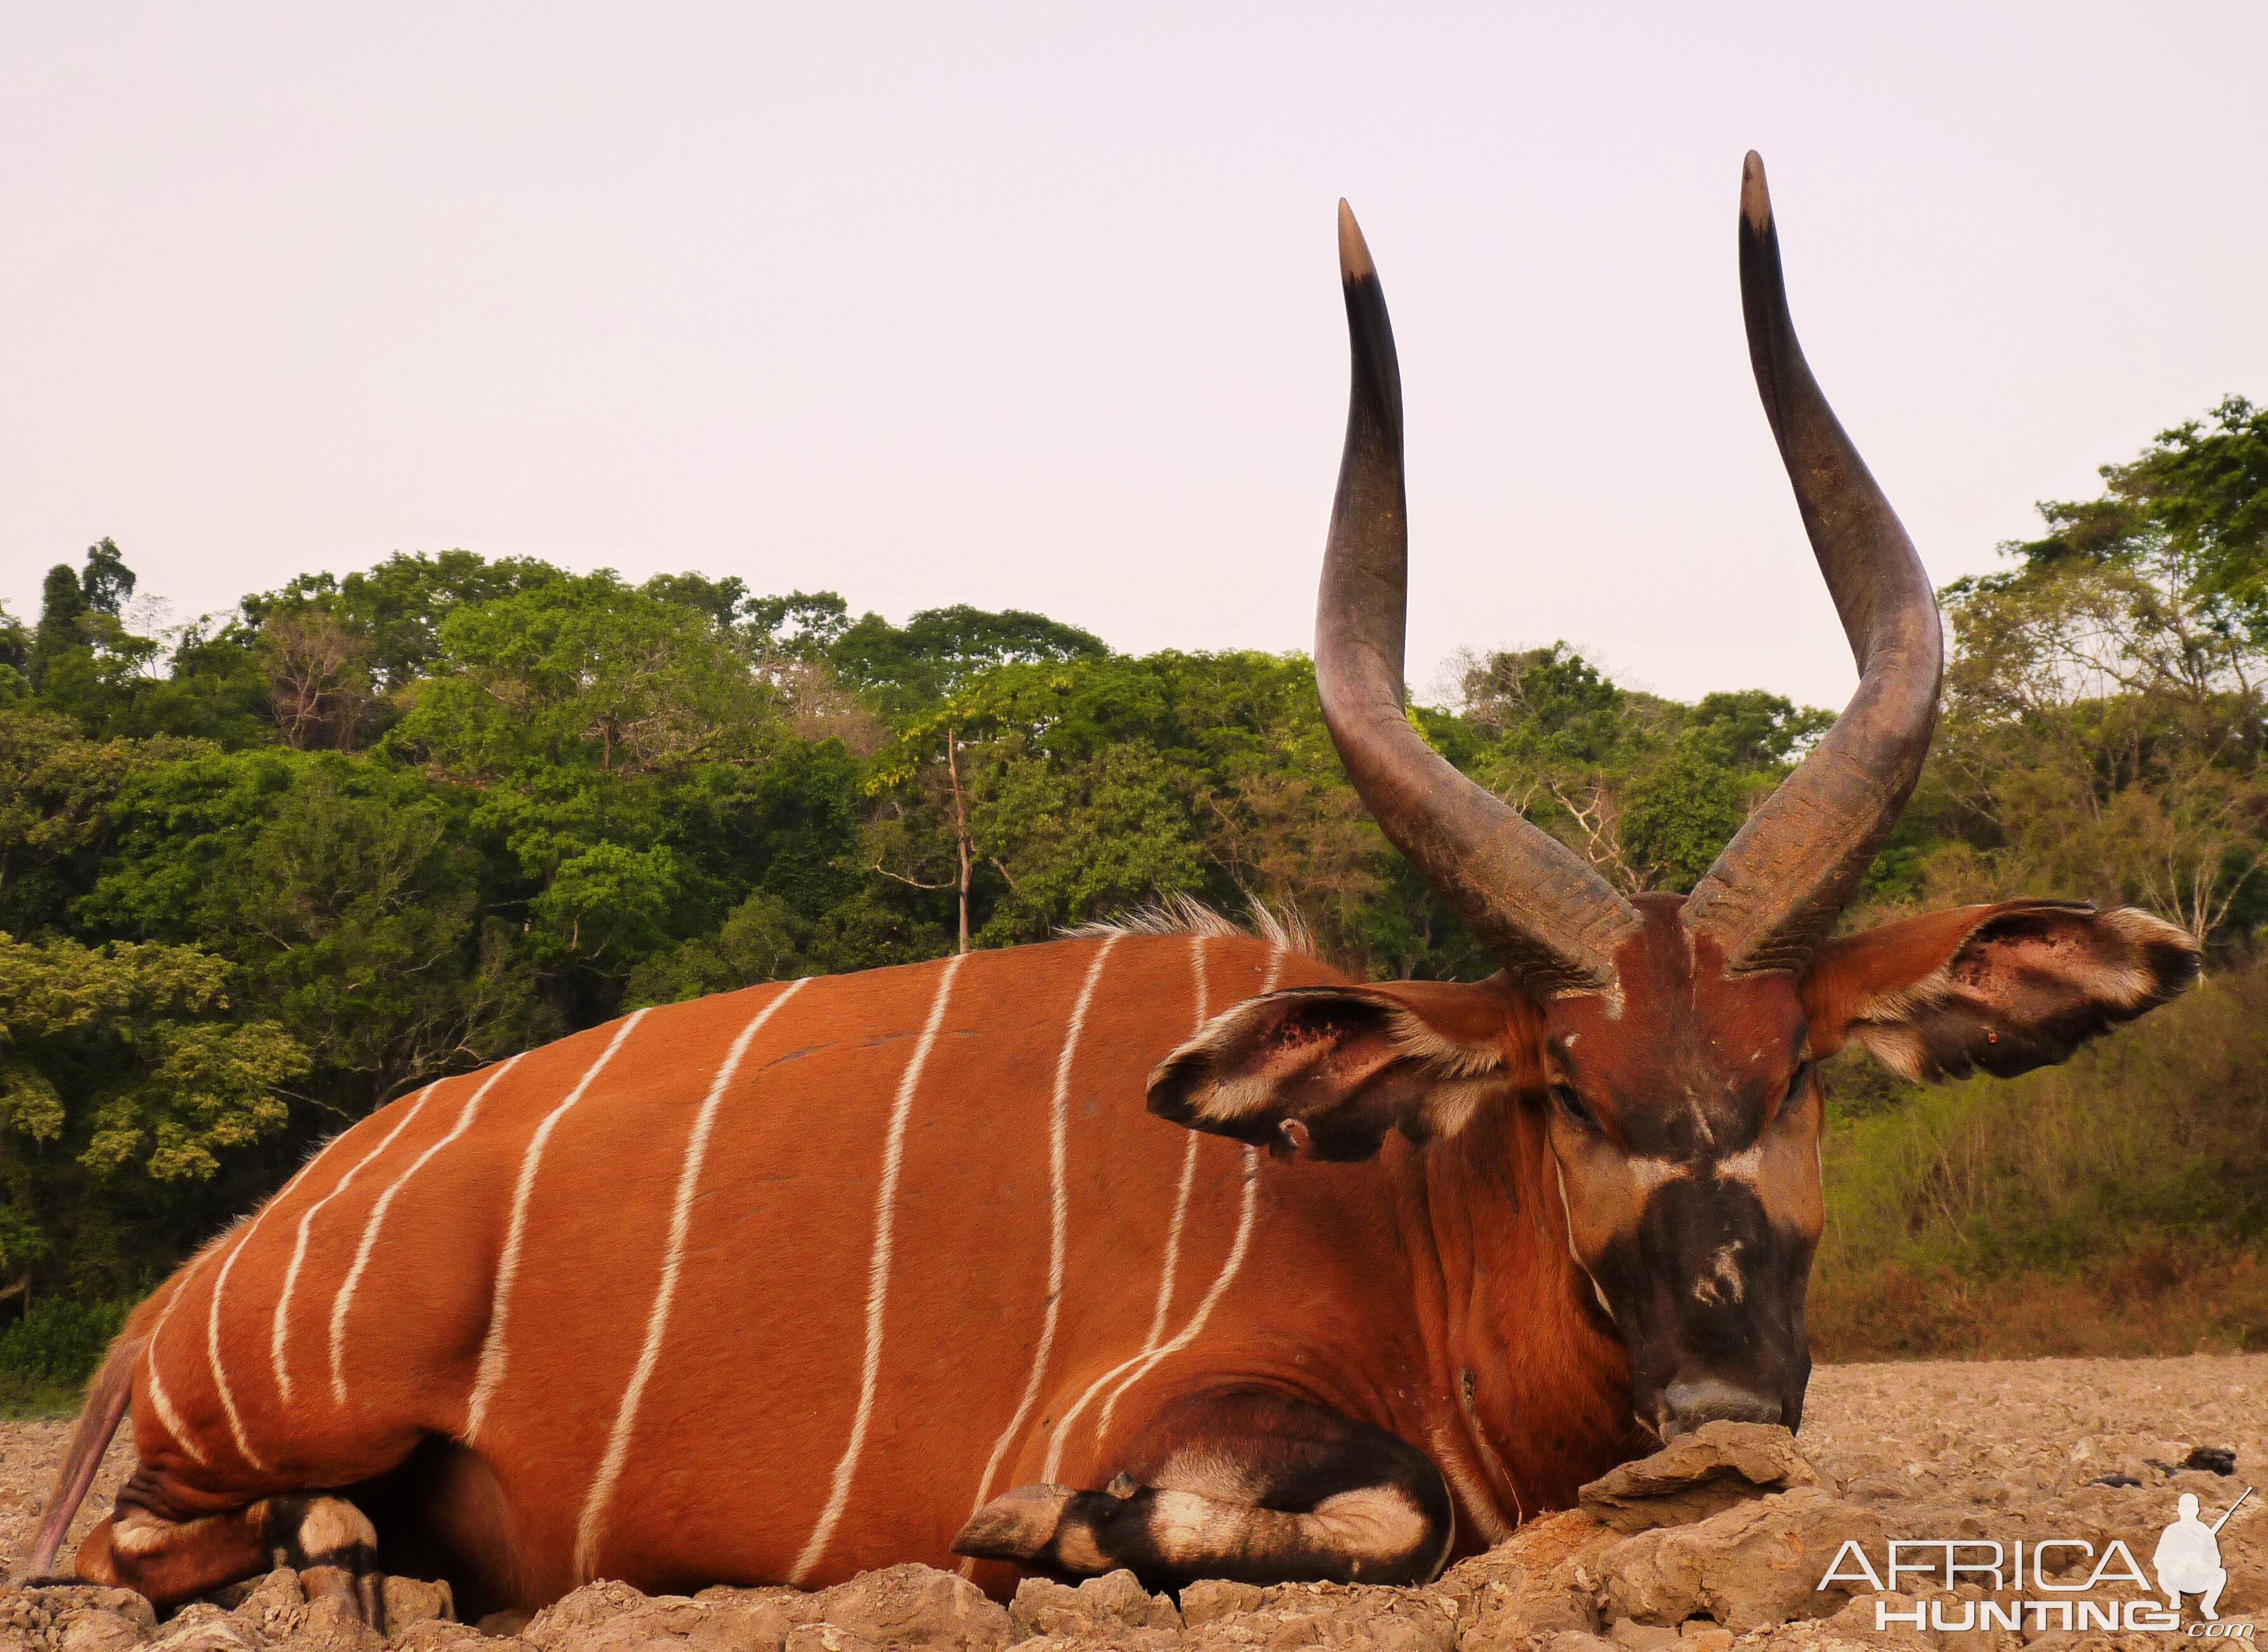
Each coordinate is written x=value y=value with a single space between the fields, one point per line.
x=1164 y=1246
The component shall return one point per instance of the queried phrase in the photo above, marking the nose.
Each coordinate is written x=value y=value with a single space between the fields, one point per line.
x=1687 y=1406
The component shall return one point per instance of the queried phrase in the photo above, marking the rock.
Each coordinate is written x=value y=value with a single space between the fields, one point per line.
x=1102 y=1605
x=1697 y=1475
x=1700 y=1635
x=410 y=1601
x=202 y=1626
x=613 y=1616
x=96 y=1631
x=610 y=1617
x=332 y=1624
x=741 y=1618
x=825 y=1637
x=269 y=1608
x=75 y=1616
x=1857 y=1620
x=1356 y=1617
x=912 y=1606
x=1751 y=1565
x=437 y=1634
x=1217 y=1597
x=1641 y=1637
x=1537 y=1580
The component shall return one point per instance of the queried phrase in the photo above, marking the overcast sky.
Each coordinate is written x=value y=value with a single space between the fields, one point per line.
x=1038 y=307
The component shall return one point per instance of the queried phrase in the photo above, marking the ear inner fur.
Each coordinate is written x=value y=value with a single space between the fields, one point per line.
x=1330 y=1070
x=2004 y=987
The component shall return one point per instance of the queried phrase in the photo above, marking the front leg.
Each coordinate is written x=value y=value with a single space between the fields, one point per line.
x=1250 y=1487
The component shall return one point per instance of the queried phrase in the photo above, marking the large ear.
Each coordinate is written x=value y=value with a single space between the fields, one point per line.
x=1332 y=1069
x=2006 y=988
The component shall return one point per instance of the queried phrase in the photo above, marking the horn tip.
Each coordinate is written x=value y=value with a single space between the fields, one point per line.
x=1756 y=196
x=1354 y=252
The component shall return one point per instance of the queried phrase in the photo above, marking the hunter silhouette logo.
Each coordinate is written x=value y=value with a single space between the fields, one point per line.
x=2188 y=1559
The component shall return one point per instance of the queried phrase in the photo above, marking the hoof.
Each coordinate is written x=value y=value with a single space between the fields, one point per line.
x=334 y=1547
x=1015 y=1526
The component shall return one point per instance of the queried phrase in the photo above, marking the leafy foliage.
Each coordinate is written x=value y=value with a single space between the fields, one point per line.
x=48 y=1354
x=2103 y=732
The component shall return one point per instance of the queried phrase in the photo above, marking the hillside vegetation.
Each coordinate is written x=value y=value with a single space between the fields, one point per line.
x=263 y=872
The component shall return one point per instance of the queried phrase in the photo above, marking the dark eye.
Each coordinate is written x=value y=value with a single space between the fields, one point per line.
x=1572 y=1105
x=1797 y=1088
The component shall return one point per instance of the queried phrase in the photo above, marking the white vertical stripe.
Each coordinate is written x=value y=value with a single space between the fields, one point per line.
x=1054 y=1465
x=1172 y=1248
x=1166 y=1274
x=275 y=1336
x=493 y=1350
x=212 y=1315
x=344 y=1298
x=1058 y=1233
x=593 y=1525
x=1138 y=1364
x=171 y=1418
x=878 y=1275
x=212 y=1349
x=1220 y=1285
x=159 y=1400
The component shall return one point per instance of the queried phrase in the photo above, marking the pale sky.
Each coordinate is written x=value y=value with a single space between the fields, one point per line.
x=1038 y=307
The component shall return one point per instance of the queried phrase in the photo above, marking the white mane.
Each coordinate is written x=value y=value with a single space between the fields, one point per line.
x=1184 y=915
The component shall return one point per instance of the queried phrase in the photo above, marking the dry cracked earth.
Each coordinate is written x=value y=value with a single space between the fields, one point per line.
x=1720 y=1543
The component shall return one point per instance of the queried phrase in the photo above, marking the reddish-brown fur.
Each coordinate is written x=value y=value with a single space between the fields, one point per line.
x=1370 y=1288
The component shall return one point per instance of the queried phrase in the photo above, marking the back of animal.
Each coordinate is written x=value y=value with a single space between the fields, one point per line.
x=771 y=1286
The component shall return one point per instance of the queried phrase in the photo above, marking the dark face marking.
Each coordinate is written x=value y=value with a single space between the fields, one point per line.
x=1685 y=1124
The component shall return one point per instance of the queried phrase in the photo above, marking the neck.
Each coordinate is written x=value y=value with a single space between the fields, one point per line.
x=1541 y=1381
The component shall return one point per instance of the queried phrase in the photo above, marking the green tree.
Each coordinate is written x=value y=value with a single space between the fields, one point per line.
x=1648 y=791
x=85 y=662
x=801 y=625
x=351 y=899
x=56 y=788
x=15 y=655
x=62 y=604
x=2192 y=507
x=105 y=581
x=121 y=1063
x=584 y=673
x=398 y=607
x=2104 y=727
x=926 y=661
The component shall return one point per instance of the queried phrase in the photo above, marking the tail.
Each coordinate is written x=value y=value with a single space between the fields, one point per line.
x=106 y=1398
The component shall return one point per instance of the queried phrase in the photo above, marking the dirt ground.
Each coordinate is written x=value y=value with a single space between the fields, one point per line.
x=1943 y=1450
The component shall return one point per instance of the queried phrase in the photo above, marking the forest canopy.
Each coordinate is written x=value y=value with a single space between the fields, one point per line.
x=263 y=872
